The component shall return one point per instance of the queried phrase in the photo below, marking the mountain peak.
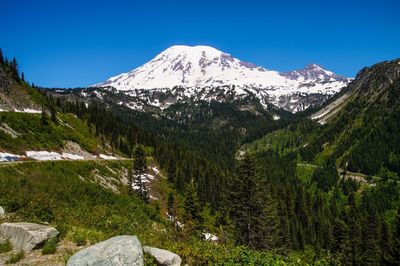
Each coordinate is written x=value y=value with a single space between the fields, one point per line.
x=313 y=66
x=198 y=67
x=314 y=72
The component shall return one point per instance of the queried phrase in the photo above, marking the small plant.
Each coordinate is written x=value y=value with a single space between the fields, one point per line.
x=80 y=239
x=16 y=257
x=50 y=247
x=149 y=260
x=67 y=255
x=5 y=247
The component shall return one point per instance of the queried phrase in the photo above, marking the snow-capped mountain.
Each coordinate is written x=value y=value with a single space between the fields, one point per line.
x=197 y=71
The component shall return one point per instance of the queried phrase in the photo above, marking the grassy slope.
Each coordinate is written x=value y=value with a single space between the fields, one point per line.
x=34 y=135
x=54 y=192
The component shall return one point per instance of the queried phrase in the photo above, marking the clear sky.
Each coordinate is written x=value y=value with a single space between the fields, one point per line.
x=70 y=43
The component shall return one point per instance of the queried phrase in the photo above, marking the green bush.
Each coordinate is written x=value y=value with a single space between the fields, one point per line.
x=5 y=247
x=16 y=257
x=80 y=239
x=50 y=247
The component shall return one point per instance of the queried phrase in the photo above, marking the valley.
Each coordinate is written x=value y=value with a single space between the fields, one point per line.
x=217 y=174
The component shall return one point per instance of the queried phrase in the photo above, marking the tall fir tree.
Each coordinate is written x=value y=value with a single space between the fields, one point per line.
x=396 y=237
x=139 y=169
x=252 y=209
x=1 y=57
x=192 y=210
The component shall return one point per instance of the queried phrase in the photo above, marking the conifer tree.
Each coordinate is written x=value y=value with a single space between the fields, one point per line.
x=1 y=57
x=14 y=69
x=253 y=211
x=192 y=209
x=139 y=169
x=171 y=208
x=44 y=118
x=396 y=236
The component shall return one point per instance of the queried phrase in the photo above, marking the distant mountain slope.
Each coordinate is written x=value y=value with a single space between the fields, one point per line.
x=361 y=126
x=198 y=70
x=15 y=95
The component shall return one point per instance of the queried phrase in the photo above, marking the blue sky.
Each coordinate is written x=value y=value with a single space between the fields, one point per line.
x=70 y=43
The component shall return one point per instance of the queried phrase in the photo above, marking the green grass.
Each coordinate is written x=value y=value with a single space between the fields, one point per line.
x=54 y=192
x=305 y=171
x=16 y=257
x=5 y=247
x=34 y=135
x=50 y=247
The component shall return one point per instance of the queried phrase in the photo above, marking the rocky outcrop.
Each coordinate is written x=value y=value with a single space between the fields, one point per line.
x=163 y=257
x=116 y=251
x=27 y=236
x=2 y=213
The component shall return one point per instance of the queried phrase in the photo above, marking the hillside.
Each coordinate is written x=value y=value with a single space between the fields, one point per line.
x=345 y=159
x=358 y=128
x=320 y=188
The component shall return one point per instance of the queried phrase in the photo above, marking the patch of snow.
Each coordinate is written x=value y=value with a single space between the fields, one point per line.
x=107 y=157
x=71 y=156
x=276 y=117
x=210 y=237
x=44 y=155
x=28 y=110
x=8 y=157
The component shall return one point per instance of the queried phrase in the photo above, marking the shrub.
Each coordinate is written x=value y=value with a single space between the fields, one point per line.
x=16 y=257
x=5 y=247
x=79 y=238
x=50 y=247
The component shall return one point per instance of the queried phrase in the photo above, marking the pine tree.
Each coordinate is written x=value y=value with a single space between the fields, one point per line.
x=385 y=245
x=44 y=118
x=139 y=169
x=253 y=211
x=14 y=69
x=371 y=239
x=396 y=236
x=341 y=242
x=171 y=208
x=22 y=76
x=354 y=230
x=192 y=210
x=53 y=112
x=1 y=57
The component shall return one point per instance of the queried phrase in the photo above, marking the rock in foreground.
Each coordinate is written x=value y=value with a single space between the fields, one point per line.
x=163 y=257
x=116 y=251
x=27 y=236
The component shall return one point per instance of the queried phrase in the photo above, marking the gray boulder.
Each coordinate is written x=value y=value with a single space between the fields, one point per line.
x=2 y=213
x=163 y=257
x=27 y=236
x=116 y=251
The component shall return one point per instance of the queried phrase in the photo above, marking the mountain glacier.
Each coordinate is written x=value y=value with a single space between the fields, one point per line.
x=182 y=73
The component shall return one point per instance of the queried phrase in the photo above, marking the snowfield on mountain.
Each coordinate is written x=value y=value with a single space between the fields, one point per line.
x=198 y=69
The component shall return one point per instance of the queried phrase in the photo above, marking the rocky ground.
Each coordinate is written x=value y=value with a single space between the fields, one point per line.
x=65 y=249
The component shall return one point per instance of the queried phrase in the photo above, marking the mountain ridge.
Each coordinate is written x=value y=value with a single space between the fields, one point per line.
x=198 y=67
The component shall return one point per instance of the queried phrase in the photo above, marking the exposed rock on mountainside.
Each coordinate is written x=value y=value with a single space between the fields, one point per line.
x=183 y=73
x=14 y=96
